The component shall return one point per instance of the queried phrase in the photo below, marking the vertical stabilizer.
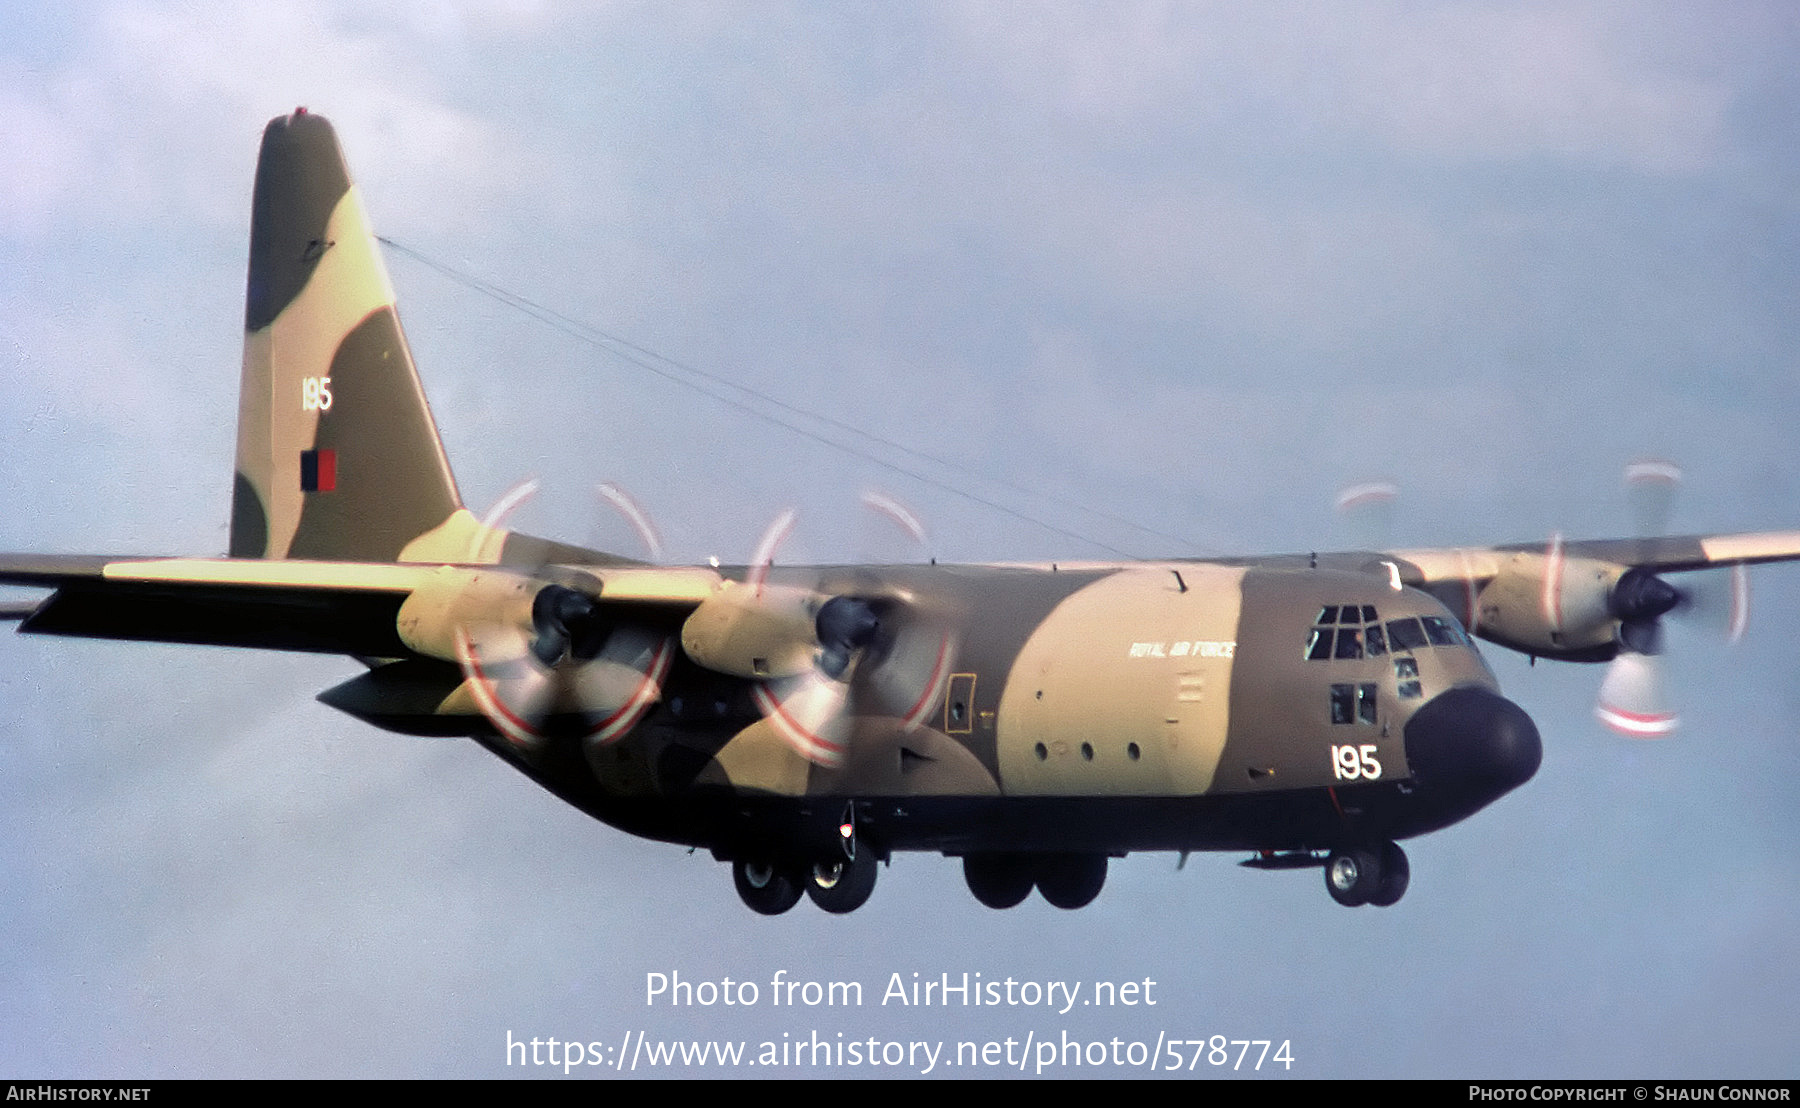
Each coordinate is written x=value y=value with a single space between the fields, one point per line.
x=337 y=454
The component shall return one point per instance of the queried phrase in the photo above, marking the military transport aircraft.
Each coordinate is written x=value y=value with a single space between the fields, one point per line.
x=805 y=723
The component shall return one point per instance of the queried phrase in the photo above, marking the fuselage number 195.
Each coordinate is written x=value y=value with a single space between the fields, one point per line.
x=1353 y=763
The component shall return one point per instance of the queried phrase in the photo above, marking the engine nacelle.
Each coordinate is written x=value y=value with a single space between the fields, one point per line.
x=1550 y=605
x=760 y=632
x=456 y=599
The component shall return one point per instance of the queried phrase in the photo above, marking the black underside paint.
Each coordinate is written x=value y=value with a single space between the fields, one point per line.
x=737 y=825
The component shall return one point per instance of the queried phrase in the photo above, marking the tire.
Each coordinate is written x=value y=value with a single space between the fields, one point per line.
x=1395 y=873
x=841 y=886
x=1352 y=877
x=1071 y=881
x=768 y=889
x=998 y=880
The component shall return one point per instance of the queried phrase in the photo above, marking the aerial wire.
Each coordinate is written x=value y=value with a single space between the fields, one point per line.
x=644 y=358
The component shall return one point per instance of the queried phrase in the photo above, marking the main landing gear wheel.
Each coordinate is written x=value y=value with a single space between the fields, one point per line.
x=1363 y=875
x=1071 y=880
x=764 y=886
x=842 y=885
x=1395 y=873
x=999 y=880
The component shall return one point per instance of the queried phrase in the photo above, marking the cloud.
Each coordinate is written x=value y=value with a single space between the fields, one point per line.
x=131 y=126
x=1461 y=82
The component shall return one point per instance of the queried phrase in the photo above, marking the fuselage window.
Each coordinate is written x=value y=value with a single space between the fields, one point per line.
x=1406 y=676
x=1353 y=704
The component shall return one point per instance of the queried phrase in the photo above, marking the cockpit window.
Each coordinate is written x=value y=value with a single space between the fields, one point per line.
x=1375 y=640
x=1443 y=632
x=1405 y=634
x=1349 y=638
x=1320 y=644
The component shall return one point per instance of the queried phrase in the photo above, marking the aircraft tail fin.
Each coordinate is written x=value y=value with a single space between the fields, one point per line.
x=337 y=454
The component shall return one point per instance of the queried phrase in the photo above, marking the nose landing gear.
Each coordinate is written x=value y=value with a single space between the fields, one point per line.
x=1378 y=875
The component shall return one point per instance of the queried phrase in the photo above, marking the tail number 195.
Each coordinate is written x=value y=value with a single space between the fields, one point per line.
x=315 y=394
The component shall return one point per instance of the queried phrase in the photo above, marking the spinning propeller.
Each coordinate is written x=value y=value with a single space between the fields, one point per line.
x=560 y=665
x=1632 y=699
x=831 y=653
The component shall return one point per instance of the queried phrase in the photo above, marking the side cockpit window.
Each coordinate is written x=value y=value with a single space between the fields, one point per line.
x=1444 y=632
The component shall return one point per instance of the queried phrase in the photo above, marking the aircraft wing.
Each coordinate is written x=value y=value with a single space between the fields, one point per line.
x=1478 y=565
x=320 y=606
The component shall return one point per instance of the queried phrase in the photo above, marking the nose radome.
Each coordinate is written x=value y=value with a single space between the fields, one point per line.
x=1472 y=744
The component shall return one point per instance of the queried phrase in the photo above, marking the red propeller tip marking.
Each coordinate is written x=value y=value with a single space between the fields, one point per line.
x=517 y=730
x=648 y=691
x=1372 y=492
x=1637 y=725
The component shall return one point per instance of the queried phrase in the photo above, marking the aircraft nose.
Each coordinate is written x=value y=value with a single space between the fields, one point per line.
x=1469 y=746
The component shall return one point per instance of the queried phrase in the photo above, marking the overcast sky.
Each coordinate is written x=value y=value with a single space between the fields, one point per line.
x=1154 y=278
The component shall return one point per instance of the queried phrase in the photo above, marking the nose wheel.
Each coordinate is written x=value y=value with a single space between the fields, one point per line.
x=1367 y=875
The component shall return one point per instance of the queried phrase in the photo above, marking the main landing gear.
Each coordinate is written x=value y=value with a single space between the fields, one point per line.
x=1065 y=880
x=838 y=886
x=1376 y=875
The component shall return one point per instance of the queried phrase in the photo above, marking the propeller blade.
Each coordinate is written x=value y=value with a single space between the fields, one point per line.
x=1650 y=486
x=1367 y=511
x=1740 y=603
x=634 y=514
x=808 y=712
x=490 y=528
x=766 y=549
x=613 y=690
x=513 y=689
x=1631 y=698
x=1551 y=600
